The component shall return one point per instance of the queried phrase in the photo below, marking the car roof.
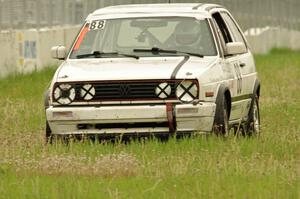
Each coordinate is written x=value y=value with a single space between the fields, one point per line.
x=156 y=9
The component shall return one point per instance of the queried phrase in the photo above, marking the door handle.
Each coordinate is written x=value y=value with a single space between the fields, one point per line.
x=242 y=65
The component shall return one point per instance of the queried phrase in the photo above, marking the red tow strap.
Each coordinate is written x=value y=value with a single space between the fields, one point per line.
x=171 y=118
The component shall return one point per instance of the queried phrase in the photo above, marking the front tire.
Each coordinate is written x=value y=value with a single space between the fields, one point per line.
x=221 y=123
x=48 y=134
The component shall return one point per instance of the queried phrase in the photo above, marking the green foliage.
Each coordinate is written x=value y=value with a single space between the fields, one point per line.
x=199 y=167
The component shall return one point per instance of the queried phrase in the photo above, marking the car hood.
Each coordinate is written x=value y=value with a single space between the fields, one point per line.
x=131 y=69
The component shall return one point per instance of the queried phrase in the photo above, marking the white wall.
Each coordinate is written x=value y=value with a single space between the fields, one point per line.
x=26 y=51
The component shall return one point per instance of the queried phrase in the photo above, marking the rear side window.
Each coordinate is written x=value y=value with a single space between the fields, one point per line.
x=237 y=36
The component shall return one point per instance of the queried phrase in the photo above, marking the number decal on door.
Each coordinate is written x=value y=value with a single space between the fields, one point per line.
x=239 y=78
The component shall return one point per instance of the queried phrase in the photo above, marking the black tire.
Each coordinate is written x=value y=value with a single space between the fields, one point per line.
x=252 y=126
x=221 y=123
x=48 y=134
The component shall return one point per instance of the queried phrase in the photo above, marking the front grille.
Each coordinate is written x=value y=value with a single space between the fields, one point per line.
x=125 y=91
x=110 y=91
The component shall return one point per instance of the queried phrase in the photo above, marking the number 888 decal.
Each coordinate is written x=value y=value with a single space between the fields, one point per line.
x=97 y=25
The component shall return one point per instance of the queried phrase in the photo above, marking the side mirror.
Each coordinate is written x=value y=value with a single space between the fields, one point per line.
x=235 y=48
x=59 y=52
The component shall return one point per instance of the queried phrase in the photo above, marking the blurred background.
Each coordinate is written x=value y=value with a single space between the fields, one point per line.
x=23 y=14
x=28 y=28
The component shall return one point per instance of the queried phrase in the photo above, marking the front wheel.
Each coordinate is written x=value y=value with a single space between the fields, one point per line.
x=221 y=123
x=48 y=134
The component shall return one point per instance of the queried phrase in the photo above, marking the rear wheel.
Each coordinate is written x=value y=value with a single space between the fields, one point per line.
x=221 y=123
x=252 y=126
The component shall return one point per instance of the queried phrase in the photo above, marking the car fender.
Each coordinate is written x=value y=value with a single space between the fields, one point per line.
x=46 y=99
x=223 y=91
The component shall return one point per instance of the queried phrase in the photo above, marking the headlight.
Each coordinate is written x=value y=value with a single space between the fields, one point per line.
x=64 y=94
x=163 y=90
x=87 y=92
x=187 y=91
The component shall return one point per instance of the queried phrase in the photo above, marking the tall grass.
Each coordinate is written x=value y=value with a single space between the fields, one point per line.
x=199 y=167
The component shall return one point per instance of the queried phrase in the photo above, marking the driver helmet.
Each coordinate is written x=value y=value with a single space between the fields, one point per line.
x=187 y=33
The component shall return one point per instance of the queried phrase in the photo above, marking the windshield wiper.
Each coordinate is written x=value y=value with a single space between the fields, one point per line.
x=99 y=54
x=128 y=55
x=159 y=50
x=95 y=54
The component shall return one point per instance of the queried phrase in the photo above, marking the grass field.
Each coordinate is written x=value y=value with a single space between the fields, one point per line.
x=202 y=167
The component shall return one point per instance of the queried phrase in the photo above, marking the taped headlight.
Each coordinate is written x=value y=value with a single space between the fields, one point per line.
x=87 y=92
x=187 y=91
x=64 y=94
x=163 y=90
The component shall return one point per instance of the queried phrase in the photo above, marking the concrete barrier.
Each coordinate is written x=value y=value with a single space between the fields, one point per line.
x=29 y=50
x=9 y=53
x=263 y=40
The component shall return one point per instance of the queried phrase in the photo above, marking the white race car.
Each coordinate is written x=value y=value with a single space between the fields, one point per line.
x=152 y=69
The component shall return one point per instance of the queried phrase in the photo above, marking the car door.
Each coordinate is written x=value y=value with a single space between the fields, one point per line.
x=245 y=67
x=232 y=63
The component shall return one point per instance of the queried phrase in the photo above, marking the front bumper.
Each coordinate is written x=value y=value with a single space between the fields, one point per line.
x=111 y=119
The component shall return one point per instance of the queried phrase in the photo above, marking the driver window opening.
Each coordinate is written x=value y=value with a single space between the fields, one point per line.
x=222 y=27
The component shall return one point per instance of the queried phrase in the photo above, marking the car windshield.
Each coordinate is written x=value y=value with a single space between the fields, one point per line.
x=124 y=37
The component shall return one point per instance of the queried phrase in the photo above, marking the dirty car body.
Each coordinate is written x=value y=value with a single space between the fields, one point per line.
x=160 y=68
